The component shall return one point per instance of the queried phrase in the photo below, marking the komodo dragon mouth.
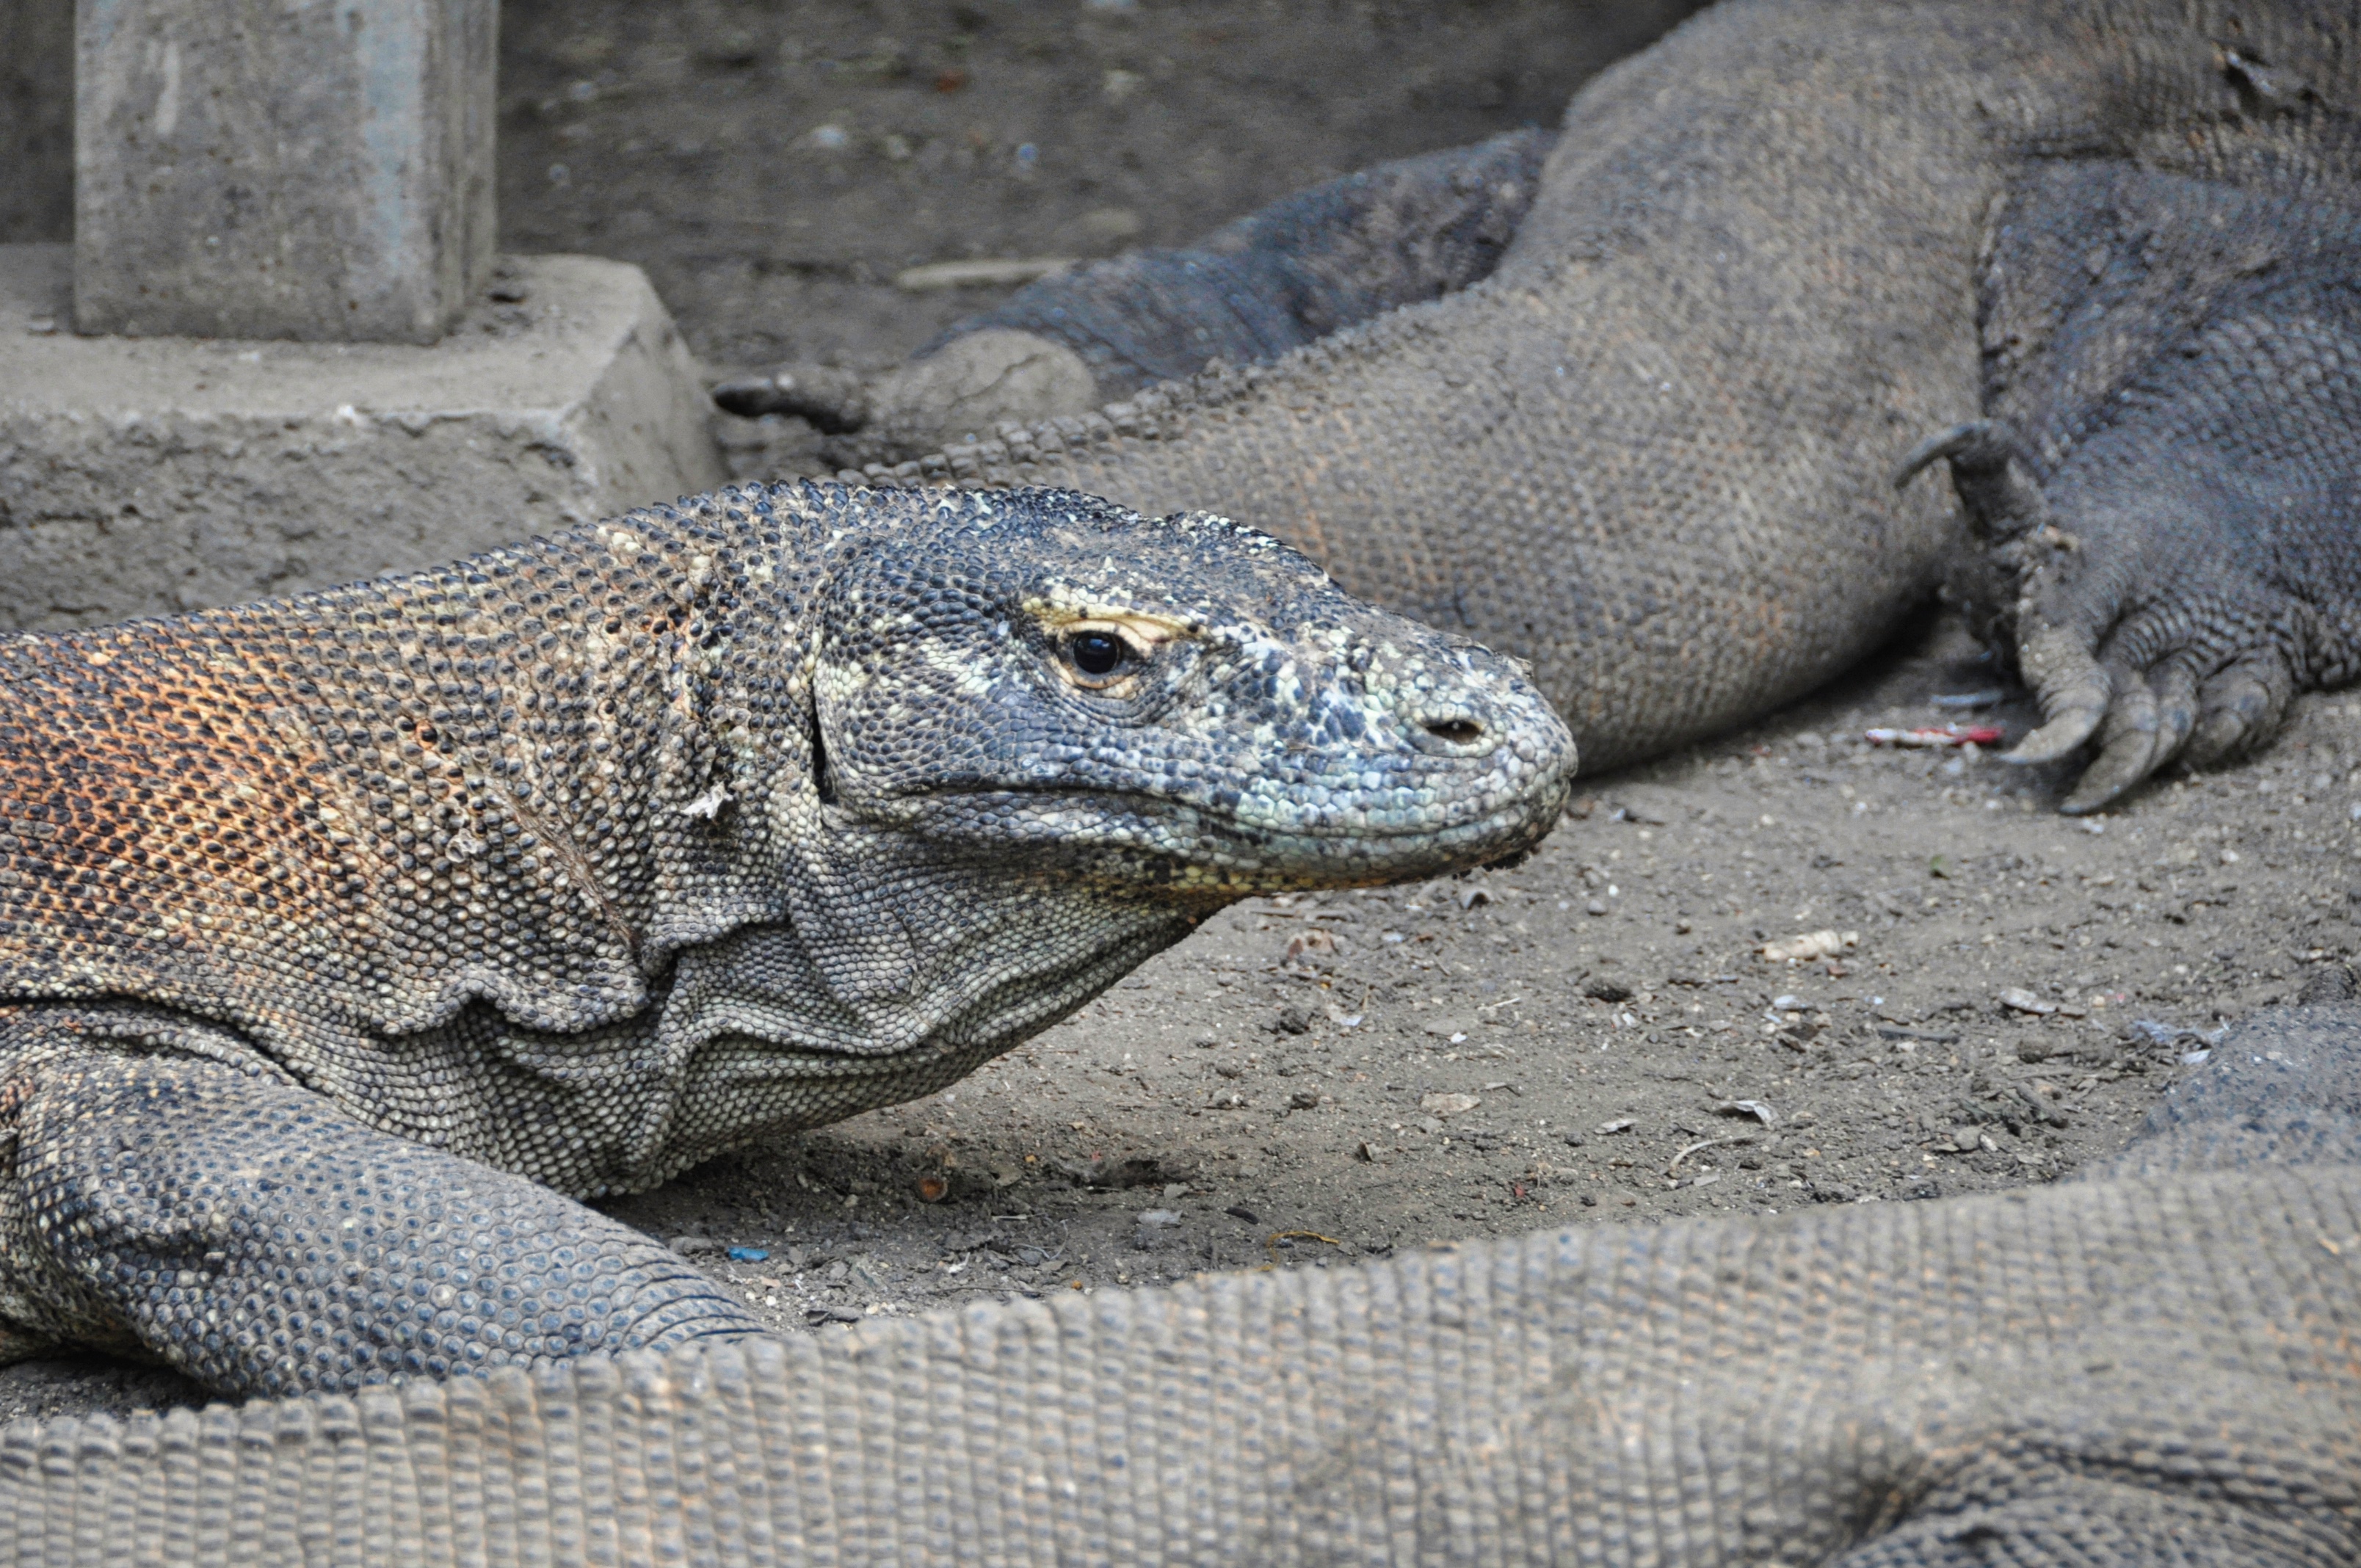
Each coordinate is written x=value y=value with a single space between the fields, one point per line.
x=1381 y=843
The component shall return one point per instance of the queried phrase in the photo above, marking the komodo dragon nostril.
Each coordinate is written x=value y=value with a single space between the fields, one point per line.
x=1460 y=731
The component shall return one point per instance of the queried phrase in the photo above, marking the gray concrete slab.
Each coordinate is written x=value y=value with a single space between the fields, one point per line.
x=255 y=169
x=145 y=475
x=35 y=120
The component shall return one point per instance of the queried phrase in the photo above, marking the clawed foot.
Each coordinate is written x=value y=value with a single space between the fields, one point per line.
x=962 y=391
x=2166 y=519
x=2154 y=615
x=834 y=400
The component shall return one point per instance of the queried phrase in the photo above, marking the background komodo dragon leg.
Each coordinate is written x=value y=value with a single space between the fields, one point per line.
x=1644 y=450
x=217 y=1216
x=1290 y=274
x=2170 y=479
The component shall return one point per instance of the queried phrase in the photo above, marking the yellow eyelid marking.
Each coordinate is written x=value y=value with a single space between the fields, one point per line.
x=1143 y=627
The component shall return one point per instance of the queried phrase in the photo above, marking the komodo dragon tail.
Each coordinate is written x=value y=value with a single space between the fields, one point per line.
x=2150 y=1366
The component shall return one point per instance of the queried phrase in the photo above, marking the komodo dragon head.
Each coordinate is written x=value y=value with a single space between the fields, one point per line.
x=1185 y=705
x=1047 y=737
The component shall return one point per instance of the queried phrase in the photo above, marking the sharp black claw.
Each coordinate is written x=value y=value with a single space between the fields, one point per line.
x=750 y=397
x=1948 y=442
x=834 y=400
x=2002 y=500
x=2076 y=806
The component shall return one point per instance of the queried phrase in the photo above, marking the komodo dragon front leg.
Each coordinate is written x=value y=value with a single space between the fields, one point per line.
x=1647 y=449
x=218 y=1215
x=1300 y=270
x=347 y=940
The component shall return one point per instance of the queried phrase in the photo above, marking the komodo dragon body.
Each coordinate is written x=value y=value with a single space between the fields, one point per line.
x=2153 y=1366
x=340 y=936
x=1628 y=405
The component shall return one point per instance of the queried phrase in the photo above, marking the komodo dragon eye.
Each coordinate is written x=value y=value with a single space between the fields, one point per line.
x=1096 y=653
x=1099 y=657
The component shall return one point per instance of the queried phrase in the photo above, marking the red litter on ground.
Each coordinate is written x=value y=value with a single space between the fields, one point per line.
x=1946 y=735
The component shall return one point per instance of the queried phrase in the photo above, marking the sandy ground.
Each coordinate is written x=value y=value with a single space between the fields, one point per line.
x=1595 y=1037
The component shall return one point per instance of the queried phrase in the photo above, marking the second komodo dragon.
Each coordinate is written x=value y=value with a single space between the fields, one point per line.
x=342 y=937
x=1629 y=405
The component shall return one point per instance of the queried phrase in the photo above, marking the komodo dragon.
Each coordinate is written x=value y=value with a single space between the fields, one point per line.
x=2153 y=1364
x=1753 y=284
x=1627 y=405
x=342 y=937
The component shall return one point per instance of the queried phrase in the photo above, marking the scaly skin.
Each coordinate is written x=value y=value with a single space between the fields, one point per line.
x=1649 y=453
x=2154 y=1365
x=340 y=936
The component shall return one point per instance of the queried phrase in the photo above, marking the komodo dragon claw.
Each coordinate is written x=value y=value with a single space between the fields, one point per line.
x=1988 y=474
x=833 y=400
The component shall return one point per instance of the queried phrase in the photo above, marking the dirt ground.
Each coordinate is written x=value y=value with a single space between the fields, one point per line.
x=1593 y=1037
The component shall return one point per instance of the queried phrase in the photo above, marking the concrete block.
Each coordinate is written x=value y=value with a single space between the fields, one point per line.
x=319 y=170
x=145 y=475
x=35 y=120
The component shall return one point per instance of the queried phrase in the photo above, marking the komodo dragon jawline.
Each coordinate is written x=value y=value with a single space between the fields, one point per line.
x=1646 y=442
x=2155 y=1365
x=340 y=936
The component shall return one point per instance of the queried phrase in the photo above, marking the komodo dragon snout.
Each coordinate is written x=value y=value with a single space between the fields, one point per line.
x=1186 y=702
